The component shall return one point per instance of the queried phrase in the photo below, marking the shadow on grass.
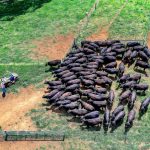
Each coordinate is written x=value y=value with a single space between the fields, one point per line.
x=10 y=10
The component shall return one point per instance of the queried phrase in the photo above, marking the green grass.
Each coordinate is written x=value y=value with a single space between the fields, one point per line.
x=28 y=75
x=53 y=18
x=133 y=22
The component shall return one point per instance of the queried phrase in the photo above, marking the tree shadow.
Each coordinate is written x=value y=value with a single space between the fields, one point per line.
x=141 y=71
x=10 y=10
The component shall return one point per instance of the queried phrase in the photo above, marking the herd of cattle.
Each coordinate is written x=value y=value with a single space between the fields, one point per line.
x=83 y=82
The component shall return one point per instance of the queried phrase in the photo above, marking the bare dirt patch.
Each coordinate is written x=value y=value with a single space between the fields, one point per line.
x=14 y=107
x=53 y=47
x=100 y=35
x=148 y=40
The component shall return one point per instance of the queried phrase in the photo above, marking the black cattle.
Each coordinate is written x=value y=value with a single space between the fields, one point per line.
x=66 y=94
x=107 y=80
x=135 y=77
x=132 y=44
x=111 y=70
x=53 y=83
x=140 y=87
x=141 y=64
x=98 y=104
x=101 y=73
x=86 y=82
x=55 y=97
x=118 y=118
x=144 y=105
x=53 y=63
x=88 y=51
x=121 y=69
x=124 y=78
x=143 y=56
x=125 y=96
x=91 y=115
x=51 y=94
x=85 y=92
x=61 y=102
x=67 y=75
x=59 y=87
x=117 y=111
x=73 y=77
x=108 y=59
x=97 y=97
x=86 y=105
x=61 y=69
x=89 y=46
x=111 y=98
x=92 y=122
x=76 y=69
x=74 y=97
x=78 y=112
x=74 y=65
x=72 y=87
x=71 y=105
x=147 y=51
x=126 y=56
x=133 y=57
x=138 y=48
x=81 y=60
x=128 y=85
x=106 y=119
x=132 y=100
x=130 y=118
x=100 y=90
x=111 y=65
x=75 y=81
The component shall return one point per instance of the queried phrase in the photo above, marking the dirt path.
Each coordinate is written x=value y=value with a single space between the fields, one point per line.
x=53 y=48
x=14 y=107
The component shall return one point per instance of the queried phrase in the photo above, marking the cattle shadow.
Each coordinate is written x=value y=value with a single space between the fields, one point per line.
x=118 y=124
x=91 y=128
x=11 y=10
x=141 y=114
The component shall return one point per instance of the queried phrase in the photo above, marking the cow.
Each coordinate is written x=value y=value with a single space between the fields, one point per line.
x=86 y=105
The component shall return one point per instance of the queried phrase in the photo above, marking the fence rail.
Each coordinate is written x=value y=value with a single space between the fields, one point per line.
x=31 y=136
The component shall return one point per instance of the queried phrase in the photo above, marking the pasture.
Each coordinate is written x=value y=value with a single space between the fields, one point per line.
x=61 y=18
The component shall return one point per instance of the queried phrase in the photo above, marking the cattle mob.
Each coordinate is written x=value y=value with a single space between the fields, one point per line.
x=83 y=81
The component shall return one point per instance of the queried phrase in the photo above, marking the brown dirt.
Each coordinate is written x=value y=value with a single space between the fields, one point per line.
x=30 y=145
x=148 y=40
x=14 y=107
x=53 y=47
x=100 y=35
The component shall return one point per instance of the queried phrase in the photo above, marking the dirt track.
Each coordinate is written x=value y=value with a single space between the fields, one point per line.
x=14 y=107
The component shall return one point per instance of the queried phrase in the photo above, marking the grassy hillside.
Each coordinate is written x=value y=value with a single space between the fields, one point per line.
x=53 y=18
